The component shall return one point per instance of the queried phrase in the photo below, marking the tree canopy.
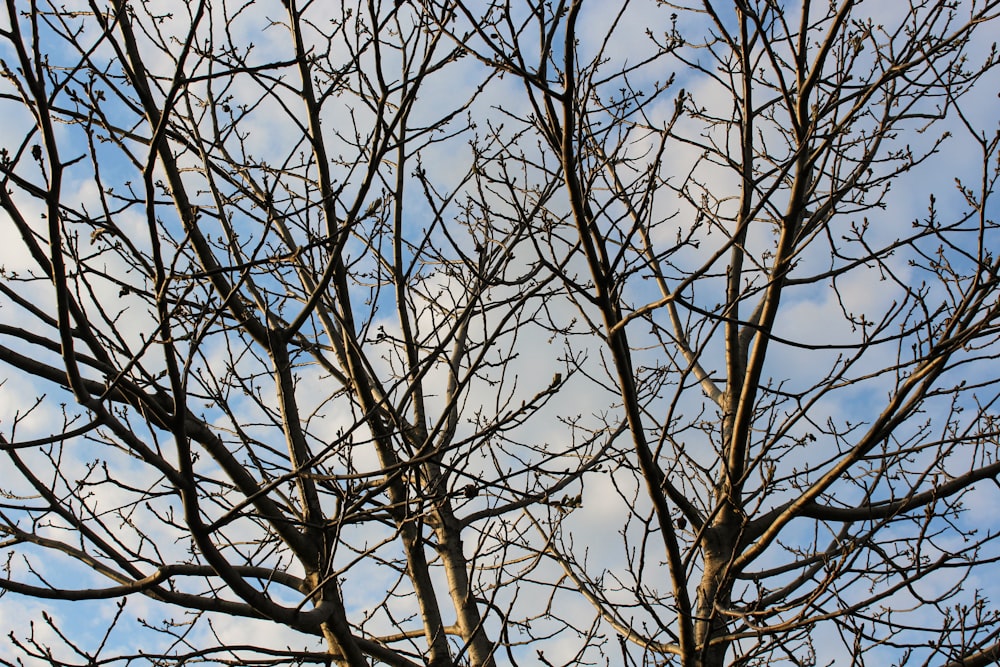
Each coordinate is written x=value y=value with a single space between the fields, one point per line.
x=441 y=332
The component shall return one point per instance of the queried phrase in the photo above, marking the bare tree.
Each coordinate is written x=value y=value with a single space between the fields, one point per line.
x=458 y=333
